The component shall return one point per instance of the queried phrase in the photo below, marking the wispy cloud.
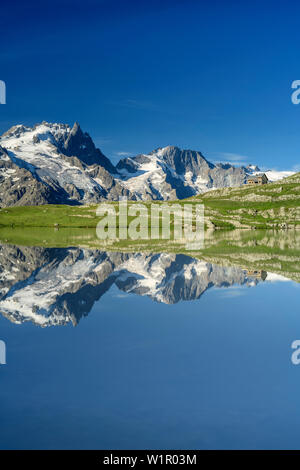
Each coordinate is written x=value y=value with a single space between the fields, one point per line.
x=234 y=156
x=123 y=154
x=283 y=173
x=232 y=292
x=229 y=157
x=98 y=141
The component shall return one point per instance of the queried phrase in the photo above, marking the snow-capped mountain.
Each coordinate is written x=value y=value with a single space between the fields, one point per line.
x=172 y=173
x=55 y=286
x=56 y=163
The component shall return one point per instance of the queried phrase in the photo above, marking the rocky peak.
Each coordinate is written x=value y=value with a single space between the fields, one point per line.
x=252 y=168
x=81 y=145
x=183 y=161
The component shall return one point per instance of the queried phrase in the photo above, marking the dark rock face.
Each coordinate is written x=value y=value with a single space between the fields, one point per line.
x=223 y=176
x=182 y=161
x=113 y=188
x=220 y=175
x=20 y=188
x=80 y=145
x=127 y=164
x=179 y=189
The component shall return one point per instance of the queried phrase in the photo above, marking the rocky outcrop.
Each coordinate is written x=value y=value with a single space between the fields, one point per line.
x=80 y=144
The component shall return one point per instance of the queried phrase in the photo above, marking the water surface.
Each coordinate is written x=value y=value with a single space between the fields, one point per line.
x=116 y=350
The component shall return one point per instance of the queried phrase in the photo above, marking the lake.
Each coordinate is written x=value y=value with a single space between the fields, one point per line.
x=115 y=350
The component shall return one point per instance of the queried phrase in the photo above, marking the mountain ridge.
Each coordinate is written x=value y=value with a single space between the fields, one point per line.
x=52 y=163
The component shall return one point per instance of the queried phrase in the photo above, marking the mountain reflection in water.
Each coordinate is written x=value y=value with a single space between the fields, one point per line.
x=56 y=286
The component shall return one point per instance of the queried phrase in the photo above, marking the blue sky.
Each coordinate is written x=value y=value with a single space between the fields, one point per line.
x=214 y=76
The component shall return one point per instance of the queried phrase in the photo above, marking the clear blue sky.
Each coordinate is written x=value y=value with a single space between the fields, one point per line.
x=208 y=75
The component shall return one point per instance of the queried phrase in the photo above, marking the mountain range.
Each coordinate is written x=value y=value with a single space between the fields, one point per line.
x=52 y=163
x=55 y=286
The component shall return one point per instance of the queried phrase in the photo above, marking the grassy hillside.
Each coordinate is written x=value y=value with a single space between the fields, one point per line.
x=275 y=205
x=272 y=206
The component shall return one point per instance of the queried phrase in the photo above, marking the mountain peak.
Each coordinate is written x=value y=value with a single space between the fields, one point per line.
x=161 y=151
x=76 y=128
x=81 y=145
x=252 y=168
x=182 y=160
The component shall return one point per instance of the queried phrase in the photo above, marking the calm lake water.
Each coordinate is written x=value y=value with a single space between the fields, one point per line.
x=117 y=351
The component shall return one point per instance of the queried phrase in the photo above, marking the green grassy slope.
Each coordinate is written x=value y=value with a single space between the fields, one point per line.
x=271 y=206
x=275 y=205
